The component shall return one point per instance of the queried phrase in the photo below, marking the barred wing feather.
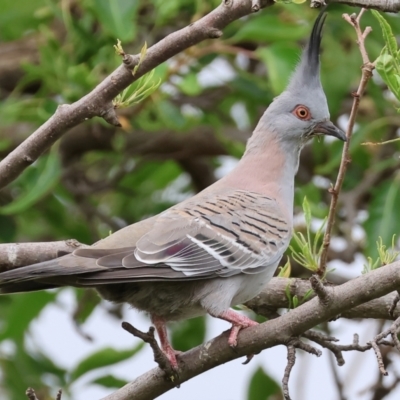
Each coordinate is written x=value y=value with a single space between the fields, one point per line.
x=230 y=234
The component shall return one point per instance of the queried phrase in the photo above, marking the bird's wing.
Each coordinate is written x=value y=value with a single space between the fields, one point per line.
x=223 y=235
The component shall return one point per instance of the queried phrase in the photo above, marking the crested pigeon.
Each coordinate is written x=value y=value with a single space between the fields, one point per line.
x=218 y=248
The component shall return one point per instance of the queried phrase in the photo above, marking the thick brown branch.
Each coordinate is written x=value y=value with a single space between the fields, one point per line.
x=99 y=101
x=274 y=296
x=271 y=333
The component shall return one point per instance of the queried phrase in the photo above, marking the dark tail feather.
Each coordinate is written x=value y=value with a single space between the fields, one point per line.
x=64 y=266
x=30 y=286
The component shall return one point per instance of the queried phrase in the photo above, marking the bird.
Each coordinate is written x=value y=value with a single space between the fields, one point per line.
x=218 y=248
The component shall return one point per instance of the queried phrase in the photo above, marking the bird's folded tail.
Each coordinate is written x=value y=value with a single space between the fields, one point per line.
x=34 y=277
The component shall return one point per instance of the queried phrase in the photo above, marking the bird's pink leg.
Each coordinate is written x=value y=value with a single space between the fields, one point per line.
x=161 y=328
x=238 y=321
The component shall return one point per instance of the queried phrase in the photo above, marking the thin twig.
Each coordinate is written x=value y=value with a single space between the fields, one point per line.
x=379 y=358
x=159 y=357
x=291 y=360
x=293 y=344
x=367 y=69
x=394 y=304
x=394 y=329
x=379 y=339
x=336 y=349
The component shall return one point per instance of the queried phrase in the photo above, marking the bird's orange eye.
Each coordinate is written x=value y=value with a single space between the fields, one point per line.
x=302 y=112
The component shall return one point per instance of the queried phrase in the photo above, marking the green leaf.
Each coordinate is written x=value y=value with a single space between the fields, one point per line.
x=103 y=358
x=8 y=229
x=387 y=33
x=87 y=300
x=117 y=17
x=307 y=212
x=25 y=12
x=190 y=85
x=388 y=63
x=188 y=334
x=110 y=381
x=269 y=28
x=280 y=59
x=21 y=311
x=384 y=215
x=49 y=171
x=385 y=65
x=262 y=387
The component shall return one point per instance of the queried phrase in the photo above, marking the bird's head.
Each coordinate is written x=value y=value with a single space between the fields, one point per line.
x=301 y=111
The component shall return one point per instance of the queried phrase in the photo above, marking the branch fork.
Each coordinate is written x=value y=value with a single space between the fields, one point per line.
x=159 y=357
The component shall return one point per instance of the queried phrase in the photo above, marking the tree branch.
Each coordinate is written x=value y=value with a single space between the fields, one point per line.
x=274 y=296
x=367 y=69
x=271 y=333
x=99 y=101
x=15 y=255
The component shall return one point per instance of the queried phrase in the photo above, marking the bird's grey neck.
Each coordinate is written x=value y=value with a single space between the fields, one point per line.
x=266 y=140
x=268 y=167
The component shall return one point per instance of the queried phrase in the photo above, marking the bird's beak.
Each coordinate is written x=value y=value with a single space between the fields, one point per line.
x=327 y=128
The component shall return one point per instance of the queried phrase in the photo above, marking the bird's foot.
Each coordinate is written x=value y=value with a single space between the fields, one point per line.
x=166 y=347
x=232 y=340
x=171 y=355
x=238 y=321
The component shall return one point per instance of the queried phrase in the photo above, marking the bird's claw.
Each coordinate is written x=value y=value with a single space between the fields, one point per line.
x=233 y=335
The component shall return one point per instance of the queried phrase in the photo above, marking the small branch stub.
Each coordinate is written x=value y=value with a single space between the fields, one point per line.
x=30 y=393
x=111 y=116
x=317 y=3
x=255 y=5
x=320 y=290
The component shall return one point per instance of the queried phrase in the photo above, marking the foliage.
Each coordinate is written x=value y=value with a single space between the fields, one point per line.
x=194 y=109
x=309 y=249
x=385 y=256
x=388 y=63
x=263 y=387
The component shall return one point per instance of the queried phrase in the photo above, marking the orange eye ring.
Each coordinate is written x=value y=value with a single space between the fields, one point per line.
x=302 y=112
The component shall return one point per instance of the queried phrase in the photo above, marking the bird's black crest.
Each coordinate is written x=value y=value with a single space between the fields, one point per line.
x=307 y=71
x=314 y=44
